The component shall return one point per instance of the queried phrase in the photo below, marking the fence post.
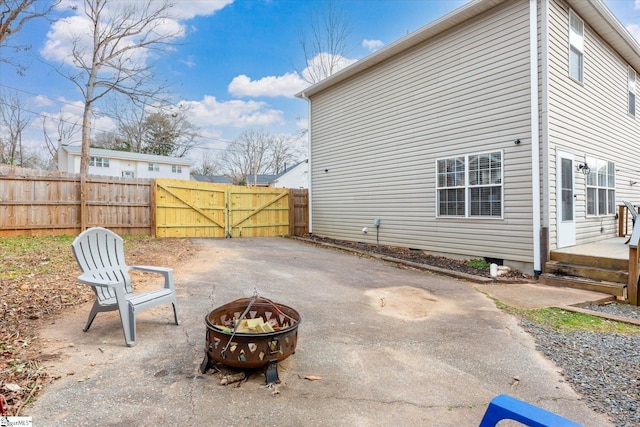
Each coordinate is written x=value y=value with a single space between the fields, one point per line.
x=622 y=219
x=632 y=284
x=292 y=212
x=152 y=207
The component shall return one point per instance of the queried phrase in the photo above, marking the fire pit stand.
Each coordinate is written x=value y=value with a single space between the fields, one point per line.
x=227 y=346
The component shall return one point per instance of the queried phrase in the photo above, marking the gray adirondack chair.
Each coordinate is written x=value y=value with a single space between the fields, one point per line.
x=634 y=215
x=100 y=255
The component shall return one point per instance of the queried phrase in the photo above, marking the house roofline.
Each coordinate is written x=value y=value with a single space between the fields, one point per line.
x=609 y=28
x=127 y=155
x=594 y=12
x=426 y=32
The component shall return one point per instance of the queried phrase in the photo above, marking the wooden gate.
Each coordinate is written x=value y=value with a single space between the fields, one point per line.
x=200 y=209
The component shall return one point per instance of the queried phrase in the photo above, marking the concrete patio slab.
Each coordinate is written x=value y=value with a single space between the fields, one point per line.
x=388 y=346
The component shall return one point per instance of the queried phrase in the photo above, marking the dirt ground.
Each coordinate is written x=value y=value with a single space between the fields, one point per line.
x=37 y=284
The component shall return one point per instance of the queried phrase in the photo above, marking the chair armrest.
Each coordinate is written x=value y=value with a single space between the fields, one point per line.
x=151 y=269
x=166 y=272
x=94 y=281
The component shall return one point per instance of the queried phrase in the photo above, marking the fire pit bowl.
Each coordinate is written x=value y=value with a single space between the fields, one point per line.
x=244 y=350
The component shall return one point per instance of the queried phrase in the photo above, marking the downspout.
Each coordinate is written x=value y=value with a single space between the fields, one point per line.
x=544 y=139
x=535 y=134
x=310 y=163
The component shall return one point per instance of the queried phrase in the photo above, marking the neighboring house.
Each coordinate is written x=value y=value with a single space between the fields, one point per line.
x=504 y=129
x=260 y=180
x=296 y=176
x=214 y=179
x=123 y=163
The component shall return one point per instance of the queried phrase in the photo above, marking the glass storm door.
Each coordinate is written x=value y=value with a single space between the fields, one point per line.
x=566 y=235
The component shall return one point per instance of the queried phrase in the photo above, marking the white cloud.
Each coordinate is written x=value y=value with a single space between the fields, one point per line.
x=189 y=62
x=192 y=8
x=287 y=85
x=71 y=32
x=634 y=29
x=323 y=65
x=210 y=112
x=372 y=45
x=71 y=107
x=76 y=29
x=636 y=4
x=302 y=123
x=42 y=101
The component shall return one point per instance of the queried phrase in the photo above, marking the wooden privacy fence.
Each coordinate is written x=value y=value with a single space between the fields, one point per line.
x=36 y=202
x=200 y=209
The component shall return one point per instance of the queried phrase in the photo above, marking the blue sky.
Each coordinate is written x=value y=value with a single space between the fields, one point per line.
x=235 y=65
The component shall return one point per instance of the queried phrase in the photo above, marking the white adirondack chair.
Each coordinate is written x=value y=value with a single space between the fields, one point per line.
x=100 y=254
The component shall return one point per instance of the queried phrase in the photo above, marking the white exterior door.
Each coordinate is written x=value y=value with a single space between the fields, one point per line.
x=566 y=230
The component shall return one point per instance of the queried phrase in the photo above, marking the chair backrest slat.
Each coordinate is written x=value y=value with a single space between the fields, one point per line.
x=100 y=253
x=632 y=209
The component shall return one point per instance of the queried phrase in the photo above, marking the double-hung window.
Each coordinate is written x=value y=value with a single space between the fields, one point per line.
x=154 y=167
x=632 y=91
x=100 y=162
x=176 y=168
x=576 y=47
x=601 y=187
x=470 y=186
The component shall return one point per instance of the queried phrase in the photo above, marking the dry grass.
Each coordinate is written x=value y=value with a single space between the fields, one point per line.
x=38 y=282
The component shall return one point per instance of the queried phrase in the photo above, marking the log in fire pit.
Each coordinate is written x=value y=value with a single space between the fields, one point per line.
x=251 y=333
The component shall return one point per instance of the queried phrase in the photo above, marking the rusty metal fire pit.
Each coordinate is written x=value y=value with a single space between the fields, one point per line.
x=227 y=346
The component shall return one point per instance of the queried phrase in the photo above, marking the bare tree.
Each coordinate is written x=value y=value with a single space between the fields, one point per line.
x=119 y=34
x=209 y=165
x=284 y=151
x=66 y=130
x=14 y=14
x=130 y=119
x=152 y=128
x=325 y=46
x=13 y=120
x=256 y=152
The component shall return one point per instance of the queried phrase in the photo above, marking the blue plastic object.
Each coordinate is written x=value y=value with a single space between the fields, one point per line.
x=505 y=407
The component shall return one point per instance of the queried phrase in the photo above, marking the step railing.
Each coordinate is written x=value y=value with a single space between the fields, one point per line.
x=634 y=260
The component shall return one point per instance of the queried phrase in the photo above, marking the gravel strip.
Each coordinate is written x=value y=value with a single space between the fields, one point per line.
x=624 y=310
x=603 y=368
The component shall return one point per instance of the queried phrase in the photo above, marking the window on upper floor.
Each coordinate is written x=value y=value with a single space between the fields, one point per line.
x=601 y=187
x=176 y=168
x=100 y=162
x=632 y=91
x=470 y=186
x=576 y=47
x=154 y=167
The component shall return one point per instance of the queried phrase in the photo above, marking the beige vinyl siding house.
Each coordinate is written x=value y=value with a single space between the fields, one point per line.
x=589 y=119
x=450 y=135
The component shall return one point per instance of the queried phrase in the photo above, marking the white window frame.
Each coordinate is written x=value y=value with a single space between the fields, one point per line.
x=632 y=85
x=176 y=168
x=128 y=174
x=601 y=187
x=99 y=162
x=154 y=167
x=454 y=177
x=576 y=46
